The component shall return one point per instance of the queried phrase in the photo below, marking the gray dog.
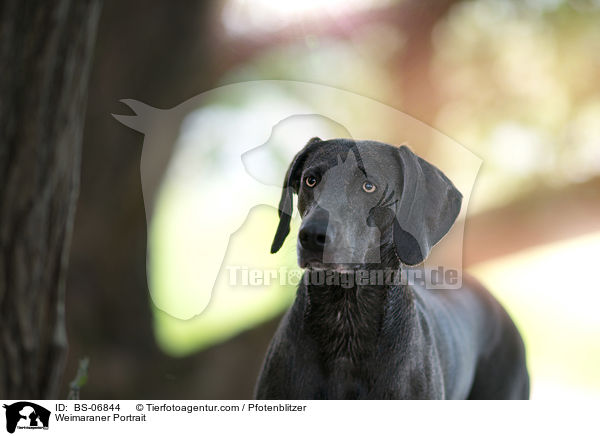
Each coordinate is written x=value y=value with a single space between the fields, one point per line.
x=369 y=206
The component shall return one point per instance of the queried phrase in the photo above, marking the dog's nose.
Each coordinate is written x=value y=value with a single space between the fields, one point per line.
x=313 y=236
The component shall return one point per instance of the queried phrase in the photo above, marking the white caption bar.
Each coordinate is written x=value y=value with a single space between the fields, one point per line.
x=158 y=417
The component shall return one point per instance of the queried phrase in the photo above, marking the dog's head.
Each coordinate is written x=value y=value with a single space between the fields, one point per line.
x=360 y=200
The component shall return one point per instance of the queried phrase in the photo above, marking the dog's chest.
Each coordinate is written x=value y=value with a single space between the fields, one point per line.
x=346 y=323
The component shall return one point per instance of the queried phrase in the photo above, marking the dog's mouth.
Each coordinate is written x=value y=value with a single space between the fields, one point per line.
x=317 y=265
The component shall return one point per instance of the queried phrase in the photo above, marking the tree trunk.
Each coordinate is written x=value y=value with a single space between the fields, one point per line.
x=45 y=55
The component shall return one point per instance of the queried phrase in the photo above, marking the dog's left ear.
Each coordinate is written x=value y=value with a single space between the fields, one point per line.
x=427 y=208
x=291 y=184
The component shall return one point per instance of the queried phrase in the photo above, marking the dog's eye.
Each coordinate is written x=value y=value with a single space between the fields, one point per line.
x=369 y=187
x=310 y=181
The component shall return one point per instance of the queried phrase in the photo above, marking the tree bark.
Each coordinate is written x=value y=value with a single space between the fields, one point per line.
x=45 y=55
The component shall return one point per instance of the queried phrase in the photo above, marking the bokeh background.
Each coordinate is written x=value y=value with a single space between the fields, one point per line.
x=516 y=83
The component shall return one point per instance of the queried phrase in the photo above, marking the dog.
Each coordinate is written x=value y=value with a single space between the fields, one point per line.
x=370 y=206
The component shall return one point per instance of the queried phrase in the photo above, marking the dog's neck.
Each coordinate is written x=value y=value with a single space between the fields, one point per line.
x=345 y=321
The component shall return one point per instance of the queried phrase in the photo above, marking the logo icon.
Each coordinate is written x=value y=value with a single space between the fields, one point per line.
x=26 y=415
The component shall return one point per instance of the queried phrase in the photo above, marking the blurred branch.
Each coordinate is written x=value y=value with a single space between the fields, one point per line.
x=548 y=215
x=413 y=18
x=413 y=89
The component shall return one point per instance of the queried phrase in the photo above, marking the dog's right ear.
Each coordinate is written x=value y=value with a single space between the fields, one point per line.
x=291 y=184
